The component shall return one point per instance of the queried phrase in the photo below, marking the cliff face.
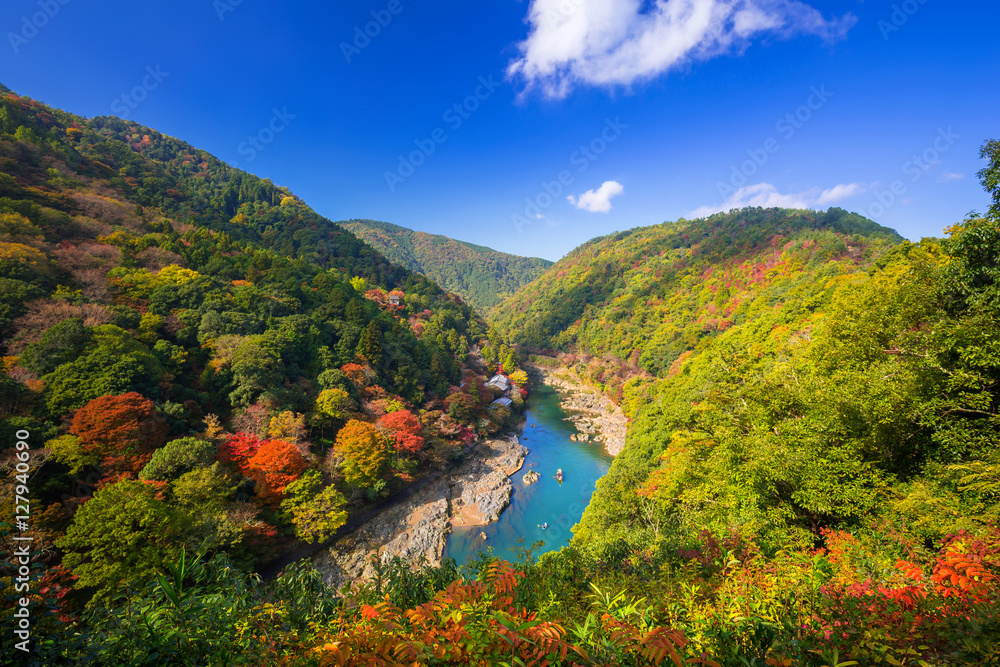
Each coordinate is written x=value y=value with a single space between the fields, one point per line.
x=596 y=417
x=475 y=494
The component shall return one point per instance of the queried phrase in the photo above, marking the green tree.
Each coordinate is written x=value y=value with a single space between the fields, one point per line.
x=60 y=344
x=205 y=489
x=990 y=175
x=370 y=346
x=113 y=364
x=315 y=511
x=335 y=403
x=256 y=370
x=122 y=534
x=178 y=457
x=68 y=450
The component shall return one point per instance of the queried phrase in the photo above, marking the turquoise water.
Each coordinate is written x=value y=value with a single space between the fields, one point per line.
x=545 y=501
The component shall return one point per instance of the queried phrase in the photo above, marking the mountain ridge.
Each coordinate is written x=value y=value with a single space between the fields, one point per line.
x=604 y=279
x=481 y=275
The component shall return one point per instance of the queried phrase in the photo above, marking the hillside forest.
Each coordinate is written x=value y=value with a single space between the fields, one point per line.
x=201 y=363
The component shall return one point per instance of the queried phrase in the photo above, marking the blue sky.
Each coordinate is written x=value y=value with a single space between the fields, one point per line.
x=575 y=118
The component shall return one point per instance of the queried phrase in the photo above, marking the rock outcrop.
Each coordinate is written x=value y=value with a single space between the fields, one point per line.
x=474 y=494
x=595 y=416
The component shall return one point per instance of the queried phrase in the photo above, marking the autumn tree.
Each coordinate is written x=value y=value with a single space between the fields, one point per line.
x=404 y=428
x=239 y=449
x=360 y=376
x=276 y=464
x=519 y=377
x=288 y=426
x=364 y=451
x=462 y=407
x=123 y=430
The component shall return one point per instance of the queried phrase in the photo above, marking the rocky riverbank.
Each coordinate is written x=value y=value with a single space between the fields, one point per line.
x=595 y=416
x=474 y=494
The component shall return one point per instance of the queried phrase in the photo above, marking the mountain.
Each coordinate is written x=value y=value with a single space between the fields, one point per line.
x=482 y=276
x=648 y=294
x=201 y=372
x=785 y=373
x=201 y=346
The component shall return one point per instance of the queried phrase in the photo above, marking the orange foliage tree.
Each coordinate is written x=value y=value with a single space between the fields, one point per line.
x=122 y=430
x=478 y=623
x=276 y=464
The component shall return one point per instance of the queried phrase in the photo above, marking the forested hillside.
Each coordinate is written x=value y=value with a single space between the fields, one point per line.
x=647 y=295
x=786 y=372
x=482 y=276
x=196 y=361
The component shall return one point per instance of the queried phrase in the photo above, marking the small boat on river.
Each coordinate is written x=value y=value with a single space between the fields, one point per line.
x=559 y=474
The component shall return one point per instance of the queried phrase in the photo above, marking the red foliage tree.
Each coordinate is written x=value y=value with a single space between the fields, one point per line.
x=239 y=449
x=124 y=430
x=276 y=464
x=405 y=429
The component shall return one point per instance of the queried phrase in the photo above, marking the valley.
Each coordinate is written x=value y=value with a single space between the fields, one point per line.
x=776 y=428
x=473 y=495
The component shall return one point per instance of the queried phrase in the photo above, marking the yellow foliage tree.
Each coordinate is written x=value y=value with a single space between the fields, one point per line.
x=177 y=275
x=365 y=452
x=18 y=252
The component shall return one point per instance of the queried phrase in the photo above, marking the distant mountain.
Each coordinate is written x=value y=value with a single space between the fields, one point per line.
x=482 y=276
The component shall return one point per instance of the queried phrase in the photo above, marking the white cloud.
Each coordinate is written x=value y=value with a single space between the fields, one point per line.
x=599 y=200
x=839 y=193
x=949 y=176
x=766 y=195
x=619 y=42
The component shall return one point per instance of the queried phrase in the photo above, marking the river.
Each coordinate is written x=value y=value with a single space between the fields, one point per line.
x=545 y=501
